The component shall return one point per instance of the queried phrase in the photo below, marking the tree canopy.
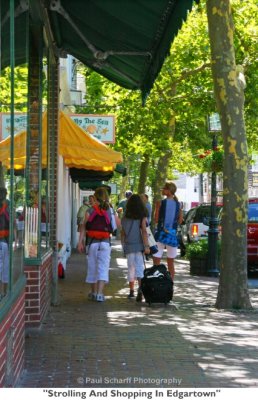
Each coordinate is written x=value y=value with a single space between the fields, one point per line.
x=182 y=96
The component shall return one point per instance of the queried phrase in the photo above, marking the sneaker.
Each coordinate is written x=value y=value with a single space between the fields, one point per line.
x=100 y=297
x=131 y=294
x=92 y=296
x=139 y=296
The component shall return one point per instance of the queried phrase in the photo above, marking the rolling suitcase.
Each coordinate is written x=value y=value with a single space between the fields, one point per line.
x=157 y=285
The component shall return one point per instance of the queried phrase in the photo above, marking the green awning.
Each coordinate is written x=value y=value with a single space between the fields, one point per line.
x=93 y=186
x=124 y=40
x=79 y=175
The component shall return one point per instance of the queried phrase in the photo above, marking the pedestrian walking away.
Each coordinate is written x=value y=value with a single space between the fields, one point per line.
x=122 y=204
x=95 y=239
x=135 y=241
x=145 y=199
x=82 y=210
x=167 y=215
x=4 y=242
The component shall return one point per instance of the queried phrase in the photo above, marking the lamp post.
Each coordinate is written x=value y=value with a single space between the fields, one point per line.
x=212 y=267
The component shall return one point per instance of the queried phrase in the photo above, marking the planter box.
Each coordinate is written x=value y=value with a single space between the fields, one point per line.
x=198 y=266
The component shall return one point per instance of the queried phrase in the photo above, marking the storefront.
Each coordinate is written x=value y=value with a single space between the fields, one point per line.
x=33 y=36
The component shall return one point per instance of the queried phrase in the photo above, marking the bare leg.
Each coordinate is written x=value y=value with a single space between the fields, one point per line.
x=171 y=267
x=131 y=285
x=100 y=287
x=93 y=287
x=139 y=294
x=156 y=260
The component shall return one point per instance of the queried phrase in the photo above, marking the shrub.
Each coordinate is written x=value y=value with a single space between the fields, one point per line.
x=199 y=249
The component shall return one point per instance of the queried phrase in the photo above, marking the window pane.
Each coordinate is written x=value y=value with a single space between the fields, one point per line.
x=45 y=227
x=13 y=117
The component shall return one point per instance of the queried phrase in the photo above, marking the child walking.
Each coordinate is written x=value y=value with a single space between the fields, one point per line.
x=134 y=241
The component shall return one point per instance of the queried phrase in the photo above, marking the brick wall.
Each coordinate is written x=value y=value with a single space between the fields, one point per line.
x=12 y=342
x=38 y=292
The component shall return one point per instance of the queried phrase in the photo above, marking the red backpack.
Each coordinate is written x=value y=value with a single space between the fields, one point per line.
x=99 y=225
x=4 y=221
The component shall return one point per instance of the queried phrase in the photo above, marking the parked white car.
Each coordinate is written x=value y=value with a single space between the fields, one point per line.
x=195 y=225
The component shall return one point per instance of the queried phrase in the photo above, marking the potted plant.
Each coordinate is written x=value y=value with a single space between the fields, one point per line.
x=197 y=254
x=213 y=160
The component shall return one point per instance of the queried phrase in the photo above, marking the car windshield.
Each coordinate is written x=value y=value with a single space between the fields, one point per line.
x=253 y=212
x=204 y=212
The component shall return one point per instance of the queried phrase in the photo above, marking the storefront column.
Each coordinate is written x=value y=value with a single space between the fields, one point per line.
x=53 y=126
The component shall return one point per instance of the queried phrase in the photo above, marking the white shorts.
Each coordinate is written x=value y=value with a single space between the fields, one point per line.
x=98 y=261
x=135 y=266
x=4 y=262
x=171 y=251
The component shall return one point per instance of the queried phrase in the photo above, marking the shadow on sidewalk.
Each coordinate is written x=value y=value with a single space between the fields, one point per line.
x=121 y=343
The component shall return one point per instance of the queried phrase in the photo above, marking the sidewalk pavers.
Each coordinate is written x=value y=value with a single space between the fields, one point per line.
x=120 y=343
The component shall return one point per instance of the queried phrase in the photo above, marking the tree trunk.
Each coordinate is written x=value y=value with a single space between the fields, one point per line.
x=163 y=162
x=143 y=173
x=228 y=87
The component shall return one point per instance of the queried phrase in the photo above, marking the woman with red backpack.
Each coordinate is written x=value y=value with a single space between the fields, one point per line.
x=4 y=242
x=95 y=237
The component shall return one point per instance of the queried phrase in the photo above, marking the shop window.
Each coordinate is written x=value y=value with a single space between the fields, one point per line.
x=37 y=225
x=13 y=116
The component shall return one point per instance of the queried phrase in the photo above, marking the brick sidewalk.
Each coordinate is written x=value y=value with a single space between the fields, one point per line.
x=120 y=343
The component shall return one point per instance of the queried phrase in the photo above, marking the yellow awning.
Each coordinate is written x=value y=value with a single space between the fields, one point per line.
x=81 y=150
x=78 y=148
x=19 y=151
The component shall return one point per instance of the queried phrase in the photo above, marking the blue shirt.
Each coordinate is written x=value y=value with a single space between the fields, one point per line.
x=170 y=213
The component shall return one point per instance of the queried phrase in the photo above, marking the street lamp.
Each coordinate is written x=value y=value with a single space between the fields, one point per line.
x=212 y=267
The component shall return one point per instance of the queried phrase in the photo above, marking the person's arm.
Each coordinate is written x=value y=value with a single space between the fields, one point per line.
x=180 y=216
x=81 y=243
x=117 y=219
x=156 y=212
x=145 y=236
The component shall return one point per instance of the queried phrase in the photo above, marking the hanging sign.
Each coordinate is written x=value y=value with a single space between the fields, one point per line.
x=20 y=124
x=101 y=127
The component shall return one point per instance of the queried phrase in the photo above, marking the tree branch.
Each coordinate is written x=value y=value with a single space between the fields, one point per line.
x=185 y=74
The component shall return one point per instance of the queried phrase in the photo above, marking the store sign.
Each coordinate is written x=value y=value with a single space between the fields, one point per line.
x=20 y=124
x=101 y=127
